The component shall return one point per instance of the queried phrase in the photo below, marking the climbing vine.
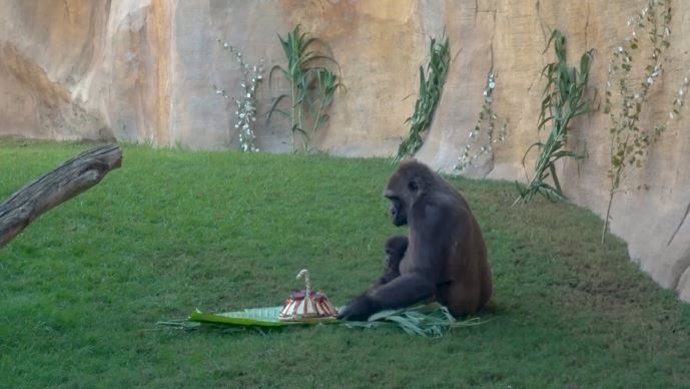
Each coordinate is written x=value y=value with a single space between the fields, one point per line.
x=626 y=96
x=478 y=145
x=246 y=104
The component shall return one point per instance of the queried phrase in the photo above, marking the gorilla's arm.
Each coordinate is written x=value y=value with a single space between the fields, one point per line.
x=420 y=282
x=388 y=276
x=403 y=291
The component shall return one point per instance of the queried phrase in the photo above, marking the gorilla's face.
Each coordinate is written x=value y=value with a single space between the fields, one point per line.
x=405 y=187
x=398 y=211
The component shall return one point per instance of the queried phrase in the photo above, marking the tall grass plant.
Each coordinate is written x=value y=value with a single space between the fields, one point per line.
x=564 y=99
x=431 y=84
x=313 y=83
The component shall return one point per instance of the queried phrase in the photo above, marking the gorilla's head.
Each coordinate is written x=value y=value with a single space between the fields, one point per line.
x=395 y=250
x=408 y=184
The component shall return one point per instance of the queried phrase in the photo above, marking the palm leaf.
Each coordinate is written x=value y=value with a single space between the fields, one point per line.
x=263 y=317
x=259 y=317
x=430 y=320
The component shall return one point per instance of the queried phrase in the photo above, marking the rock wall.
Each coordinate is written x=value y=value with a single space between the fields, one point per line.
x=144 y=70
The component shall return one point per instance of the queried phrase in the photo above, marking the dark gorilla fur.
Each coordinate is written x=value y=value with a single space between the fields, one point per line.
x=395 y=251
x=445 y=258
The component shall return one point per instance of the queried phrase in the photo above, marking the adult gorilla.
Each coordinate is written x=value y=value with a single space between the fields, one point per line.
x=446 y=255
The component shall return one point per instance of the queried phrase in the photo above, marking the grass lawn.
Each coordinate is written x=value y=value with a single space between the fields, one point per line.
x=82 y=287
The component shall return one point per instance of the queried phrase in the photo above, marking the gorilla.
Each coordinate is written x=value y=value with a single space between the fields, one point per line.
x=445 y=255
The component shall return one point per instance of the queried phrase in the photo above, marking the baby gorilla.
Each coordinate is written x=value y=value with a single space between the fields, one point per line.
x=395 y=251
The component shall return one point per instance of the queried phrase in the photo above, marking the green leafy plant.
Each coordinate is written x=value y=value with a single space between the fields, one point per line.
x=327 y=84
x=430 y=90
x=246 y=104
x=625 y=98
x=564 y=99
x=432 y=320
x=312 y=85
x=486 y=124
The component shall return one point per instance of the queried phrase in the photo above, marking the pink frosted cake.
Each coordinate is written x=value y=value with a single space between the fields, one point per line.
x=306 y=304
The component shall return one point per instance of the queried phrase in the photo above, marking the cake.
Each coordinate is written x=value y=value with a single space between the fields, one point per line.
x=306 y=304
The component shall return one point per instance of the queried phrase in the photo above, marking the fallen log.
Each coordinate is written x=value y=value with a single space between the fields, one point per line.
x=55 y=187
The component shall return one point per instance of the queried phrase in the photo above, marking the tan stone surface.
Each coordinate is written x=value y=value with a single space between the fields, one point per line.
x=143 y=70
x=45 y=49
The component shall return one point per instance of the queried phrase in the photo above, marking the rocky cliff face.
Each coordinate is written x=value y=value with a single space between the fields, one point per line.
x=143 y=71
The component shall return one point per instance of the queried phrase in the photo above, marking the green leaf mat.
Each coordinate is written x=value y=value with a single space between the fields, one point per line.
x=430 y=320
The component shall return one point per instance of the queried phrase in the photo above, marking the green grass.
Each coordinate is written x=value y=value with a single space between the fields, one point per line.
x=82 y=287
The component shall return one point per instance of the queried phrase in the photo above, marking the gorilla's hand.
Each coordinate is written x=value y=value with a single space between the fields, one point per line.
x=359 y=309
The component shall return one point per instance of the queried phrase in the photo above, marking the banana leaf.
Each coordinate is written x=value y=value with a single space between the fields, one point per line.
x=430 y=320
x=253 y=317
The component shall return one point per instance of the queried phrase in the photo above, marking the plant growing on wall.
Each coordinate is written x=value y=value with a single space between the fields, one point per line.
x=245 y=106
x=486 y=124
x=626 y=95
x=563 y=101
x=312 y=86
x=430 y=89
